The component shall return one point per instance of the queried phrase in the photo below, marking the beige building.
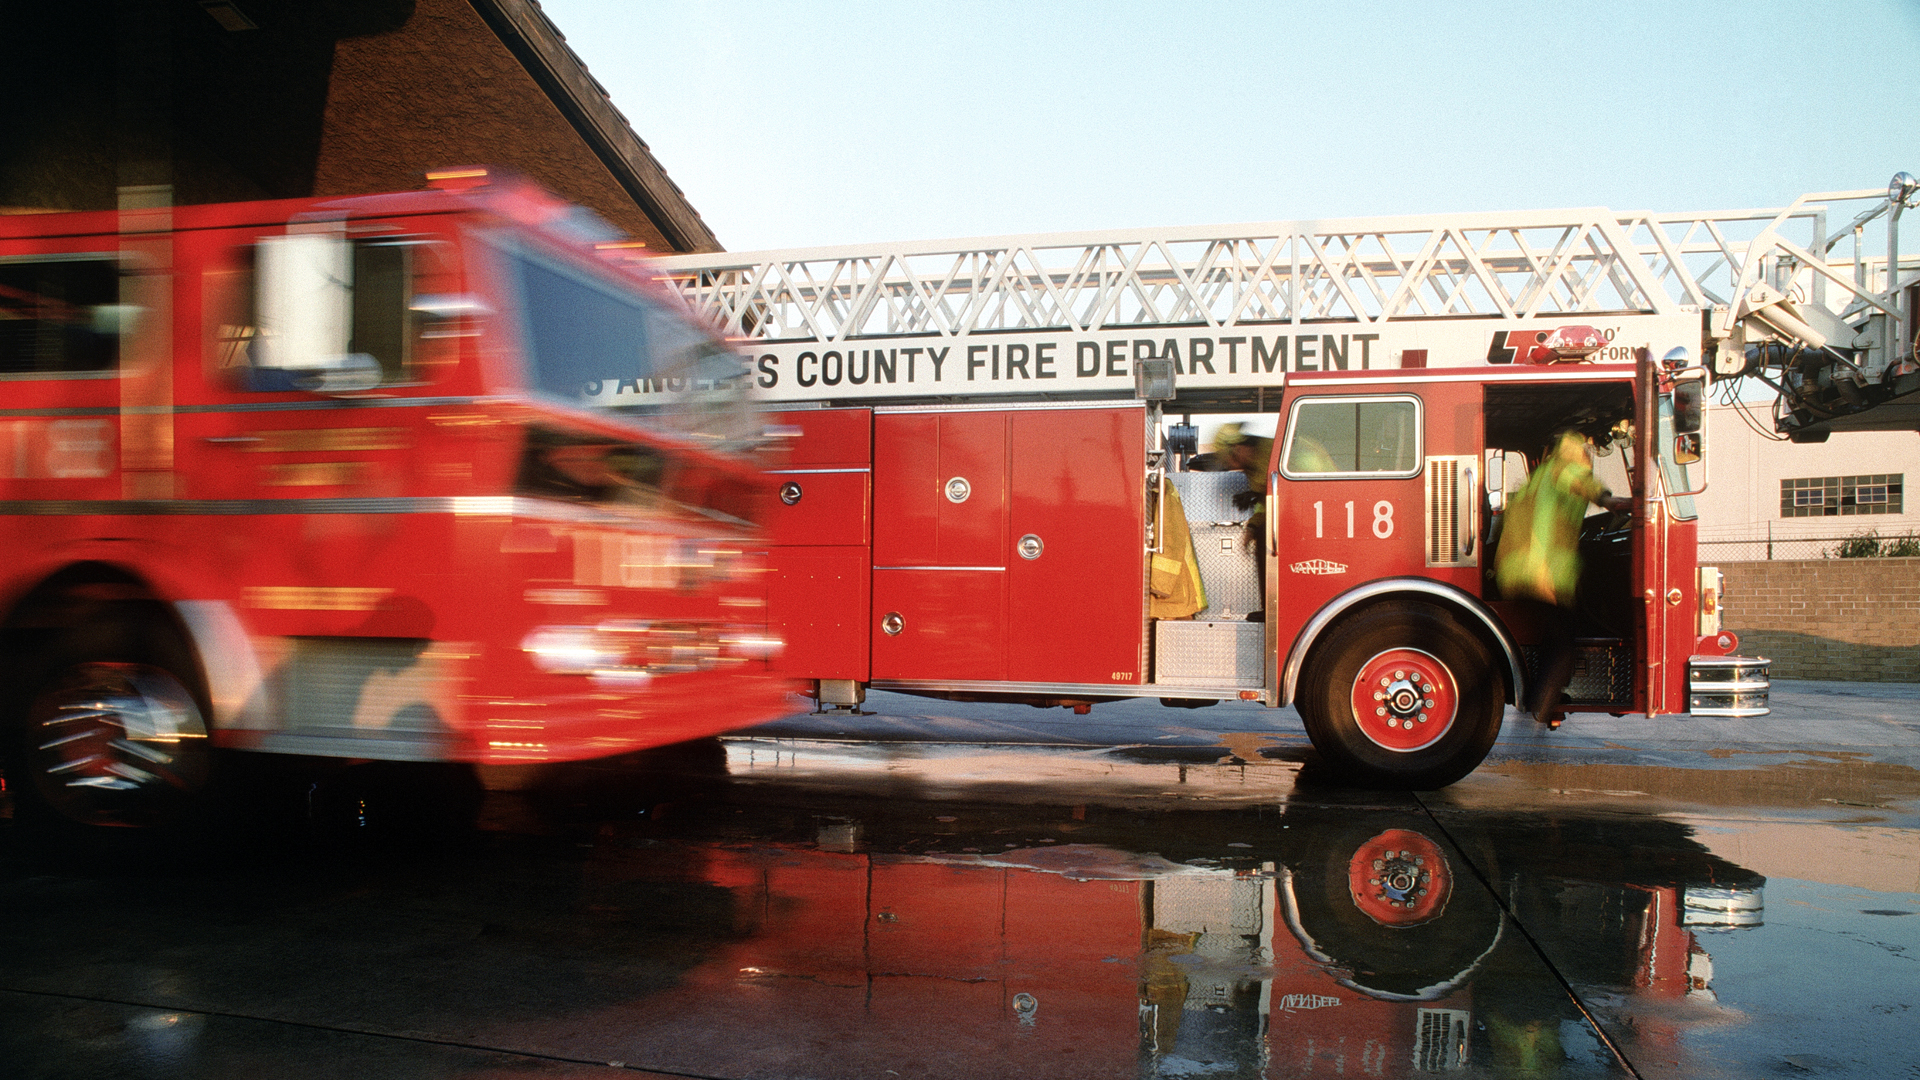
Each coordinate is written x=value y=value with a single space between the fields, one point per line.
x=1768 y=498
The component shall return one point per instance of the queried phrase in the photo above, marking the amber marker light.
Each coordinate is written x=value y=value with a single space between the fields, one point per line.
x=456 y=179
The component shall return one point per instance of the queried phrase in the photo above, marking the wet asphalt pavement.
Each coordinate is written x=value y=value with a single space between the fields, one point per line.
x=958 y=890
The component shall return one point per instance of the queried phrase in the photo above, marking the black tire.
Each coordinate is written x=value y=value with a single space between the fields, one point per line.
x=108 y=734
x=1434 y=701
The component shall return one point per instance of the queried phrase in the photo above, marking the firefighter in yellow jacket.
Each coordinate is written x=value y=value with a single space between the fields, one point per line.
x=1538 y=561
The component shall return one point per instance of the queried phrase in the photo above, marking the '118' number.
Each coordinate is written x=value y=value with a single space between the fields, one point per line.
x=1382 y=520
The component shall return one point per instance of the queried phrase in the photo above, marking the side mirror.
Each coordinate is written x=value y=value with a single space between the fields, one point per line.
x=1689 y=445
x=1689 y=399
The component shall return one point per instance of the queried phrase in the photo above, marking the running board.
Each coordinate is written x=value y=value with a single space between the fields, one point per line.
x=980 y=689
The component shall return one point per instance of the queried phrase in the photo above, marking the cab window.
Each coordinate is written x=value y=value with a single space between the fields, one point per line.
x=1346 y=437
x=60 y=315
x=388 y=336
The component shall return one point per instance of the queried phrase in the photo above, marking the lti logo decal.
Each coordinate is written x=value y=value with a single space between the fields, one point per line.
x=1291 y=1002
x=1518 y=347
x=1318 y=567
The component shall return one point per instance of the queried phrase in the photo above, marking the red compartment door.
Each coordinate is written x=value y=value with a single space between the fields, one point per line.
x=1076 y=607
x=939 y=546
x=818 y=589
x=954 y=596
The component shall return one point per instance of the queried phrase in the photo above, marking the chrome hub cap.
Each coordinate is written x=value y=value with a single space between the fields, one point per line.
x=116 y=744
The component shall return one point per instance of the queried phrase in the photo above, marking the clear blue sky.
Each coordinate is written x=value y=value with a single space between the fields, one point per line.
x=803 y=123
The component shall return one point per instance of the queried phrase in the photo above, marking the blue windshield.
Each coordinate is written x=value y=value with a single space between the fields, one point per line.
x=591 y=342
x=581 y=335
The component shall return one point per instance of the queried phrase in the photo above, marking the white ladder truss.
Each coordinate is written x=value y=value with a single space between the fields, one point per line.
x=1524 y=265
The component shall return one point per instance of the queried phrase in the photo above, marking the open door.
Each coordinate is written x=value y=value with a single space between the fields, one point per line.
x=1651 y=587
x=1521 y=421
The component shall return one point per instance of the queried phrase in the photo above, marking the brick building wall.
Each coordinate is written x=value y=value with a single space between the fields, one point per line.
x=444 y=91
x=1855 y=619
x=286 y=99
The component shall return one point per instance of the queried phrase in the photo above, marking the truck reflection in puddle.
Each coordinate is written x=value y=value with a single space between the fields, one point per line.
x=697 y=919
x=1330 y=942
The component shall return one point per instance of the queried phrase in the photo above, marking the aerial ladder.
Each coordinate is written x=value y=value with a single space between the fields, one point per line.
x=1818 y=316
x=1835 y=340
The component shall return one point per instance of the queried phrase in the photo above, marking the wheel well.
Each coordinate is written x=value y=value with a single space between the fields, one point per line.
x=1475 y=622
x=83 y=597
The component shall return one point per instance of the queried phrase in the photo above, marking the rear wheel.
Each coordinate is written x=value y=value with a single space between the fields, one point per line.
x=1402 y=696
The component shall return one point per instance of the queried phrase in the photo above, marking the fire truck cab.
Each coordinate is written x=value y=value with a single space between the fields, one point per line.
x=1392 y=636
x=365 y=478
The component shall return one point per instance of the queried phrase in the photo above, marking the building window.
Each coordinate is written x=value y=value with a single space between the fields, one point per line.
x=1842 y=496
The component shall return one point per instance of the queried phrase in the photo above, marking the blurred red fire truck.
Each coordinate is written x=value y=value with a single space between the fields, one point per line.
x=432 y=476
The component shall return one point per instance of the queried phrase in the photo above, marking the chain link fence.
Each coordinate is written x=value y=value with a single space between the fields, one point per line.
x=1783 y=548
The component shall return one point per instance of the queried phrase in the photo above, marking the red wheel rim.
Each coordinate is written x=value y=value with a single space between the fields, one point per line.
x=1399 y=878
x=1405 y=700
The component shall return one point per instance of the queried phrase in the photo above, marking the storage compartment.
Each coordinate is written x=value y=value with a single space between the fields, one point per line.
x=818 y=603
x=1208 y=653
x=1009 y=543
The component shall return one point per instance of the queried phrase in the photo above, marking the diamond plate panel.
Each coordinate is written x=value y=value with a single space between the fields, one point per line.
x=363 y=688
x=1226 y=566
x=1201 y=653
x=1208 y=496
x=1602 y=672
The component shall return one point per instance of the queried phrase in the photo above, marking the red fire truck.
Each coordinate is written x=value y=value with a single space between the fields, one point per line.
x=367 y=478
x=980 y=497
